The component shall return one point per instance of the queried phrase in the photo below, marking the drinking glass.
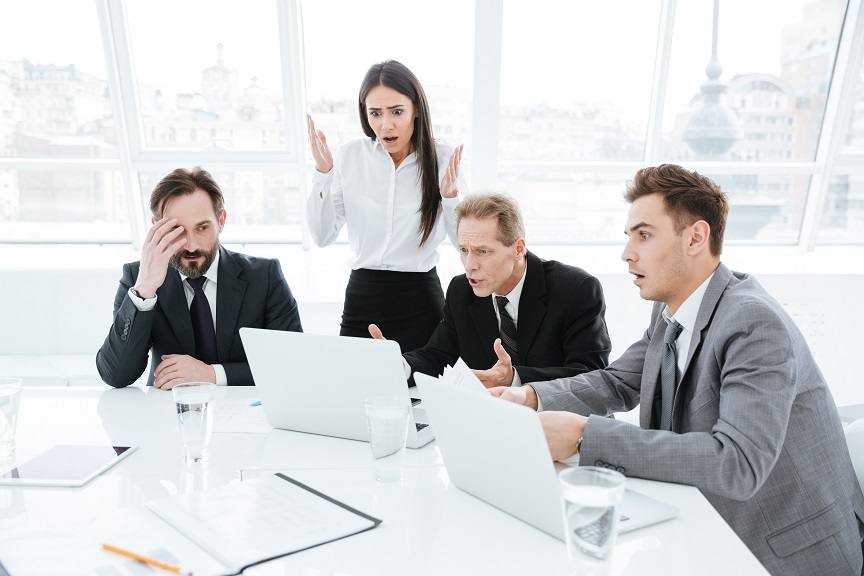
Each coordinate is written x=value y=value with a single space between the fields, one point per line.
x=591 y=497
x=195 y=417
x=387 y=418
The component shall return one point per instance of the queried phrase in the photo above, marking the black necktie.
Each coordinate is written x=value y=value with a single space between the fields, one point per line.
x=508 y=329
x=669 y=372
x=202 y=323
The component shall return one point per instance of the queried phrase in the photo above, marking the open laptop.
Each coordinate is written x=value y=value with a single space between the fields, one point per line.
x=317 y=384
x=495 y=450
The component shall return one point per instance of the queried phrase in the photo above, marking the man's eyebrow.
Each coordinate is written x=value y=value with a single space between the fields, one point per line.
x=636 y=227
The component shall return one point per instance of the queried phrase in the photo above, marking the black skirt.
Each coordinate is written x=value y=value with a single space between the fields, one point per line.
x=406 y=306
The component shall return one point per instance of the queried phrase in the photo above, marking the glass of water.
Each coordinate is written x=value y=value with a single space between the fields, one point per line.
x=591 y=497
x=387 y=418
x=194 y=416
x=10 y=394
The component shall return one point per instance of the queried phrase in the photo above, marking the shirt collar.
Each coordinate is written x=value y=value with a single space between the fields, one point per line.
x=516 y=293
x=376 y=146
x=689 y=310
x=212 y=271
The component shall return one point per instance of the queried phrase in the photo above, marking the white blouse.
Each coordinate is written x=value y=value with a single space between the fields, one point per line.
x=381 y=204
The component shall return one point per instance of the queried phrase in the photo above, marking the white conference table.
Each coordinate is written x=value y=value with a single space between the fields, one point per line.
x=429 y=526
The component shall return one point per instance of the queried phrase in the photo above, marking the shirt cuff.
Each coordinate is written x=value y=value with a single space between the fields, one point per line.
x=320 y=180
x=450 y=203
x=221 y=377
x=407 y=368
x=516 y=380
x=143 y=305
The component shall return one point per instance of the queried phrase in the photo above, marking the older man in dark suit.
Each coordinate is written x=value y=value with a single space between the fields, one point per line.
x=187 y=297
x=513 y=317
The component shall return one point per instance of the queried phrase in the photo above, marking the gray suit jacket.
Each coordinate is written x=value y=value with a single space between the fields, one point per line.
x=250 y=292
x=754 y=428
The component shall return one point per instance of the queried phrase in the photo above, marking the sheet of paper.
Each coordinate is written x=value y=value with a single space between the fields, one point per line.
x=77 y=549
x=238 y=417
x=462 y=376
x=246 y=522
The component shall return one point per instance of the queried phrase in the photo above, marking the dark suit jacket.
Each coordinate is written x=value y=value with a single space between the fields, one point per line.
x=250 y=292
x=560 y=329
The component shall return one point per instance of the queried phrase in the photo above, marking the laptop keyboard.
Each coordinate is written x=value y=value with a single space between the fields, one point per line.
x=420 y=426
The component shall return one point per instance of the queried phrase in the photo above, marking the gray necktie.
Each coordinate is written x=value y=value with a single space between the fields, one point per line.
x=669 y=372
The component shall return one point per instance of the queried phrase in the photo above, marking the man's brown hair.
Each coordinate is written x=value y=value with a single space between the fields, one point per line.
x=688 y=197
x=499 y=206
x=181 y=182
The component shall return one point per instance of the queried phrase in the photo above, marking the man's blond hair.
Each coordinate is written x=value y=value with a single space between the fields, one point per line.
x=503 y=208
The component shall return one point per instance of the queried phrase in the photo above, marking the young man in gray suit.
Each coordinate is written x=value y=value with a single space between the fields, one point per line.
x=187 y=297
x=731 y=400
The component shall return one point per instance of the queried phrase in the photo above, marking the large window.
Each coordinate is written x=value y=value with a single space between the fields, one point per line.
x=54 y=99
x=559 y=99
x=763 y=98
x=567 y=99
x=843 y=215
x=208 y=76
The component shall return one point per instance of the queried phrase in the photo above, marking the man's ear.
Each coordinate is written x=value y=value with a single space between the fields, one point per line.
x=222 y=216
x=519 y=245
x=700 y=237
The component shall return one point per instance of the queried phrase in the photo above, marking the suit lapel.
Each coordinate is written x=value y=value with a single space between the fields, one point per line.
x=486 y=324
x=532 y=305
x=715 y=290
x=230 y=290
x=651 y=368
x=172 y=301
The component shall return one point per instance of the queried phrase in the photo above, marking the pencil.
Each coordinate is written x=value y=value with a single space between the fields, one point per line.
x=146 y=560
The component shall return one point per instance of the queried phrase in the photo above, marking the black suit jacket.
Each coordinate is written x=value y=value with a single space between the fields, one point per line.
x=250 y=292
x=560 y=330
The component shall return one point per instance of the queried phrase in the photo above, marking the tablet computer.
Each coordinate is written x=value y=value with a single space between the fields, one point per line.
x=65 y=465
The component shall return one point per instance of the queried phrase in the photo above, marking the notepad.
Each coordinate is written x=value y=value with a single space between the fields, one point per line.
x=247 y=523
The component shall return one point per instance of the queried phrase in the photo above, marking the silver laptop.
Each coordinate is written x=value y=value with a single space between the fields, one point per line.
x=495 y=450
x=317 y=384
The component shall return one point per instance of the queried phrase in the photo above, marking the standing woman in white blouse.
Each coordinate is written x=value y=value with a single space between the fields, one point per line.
x=397 y=190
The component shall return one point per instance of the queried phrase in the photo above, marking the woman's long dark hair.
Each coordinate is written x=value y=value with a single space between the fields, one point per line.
x=397 y=76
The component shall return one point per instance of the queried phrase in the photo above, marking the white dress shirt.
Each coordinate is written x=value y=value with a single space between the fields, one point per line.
x=686 y=316
x=210 y=291
x=381 y=204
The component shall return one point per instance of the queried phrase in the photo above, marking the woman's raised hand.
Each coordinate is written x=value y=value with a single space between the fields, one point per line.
x=318 y=144
x=449 y=187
